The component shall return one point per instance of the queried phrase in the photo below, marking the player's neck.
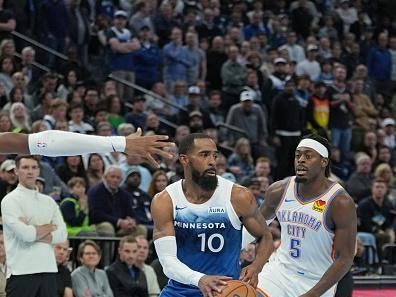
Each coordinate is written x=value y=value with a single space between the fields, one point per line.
x=314 y=188
x=194 y=193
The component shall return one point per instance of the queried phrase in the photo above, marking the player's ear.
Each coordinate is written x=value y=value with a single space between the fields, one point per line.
x=325 y=162
x=183 y=159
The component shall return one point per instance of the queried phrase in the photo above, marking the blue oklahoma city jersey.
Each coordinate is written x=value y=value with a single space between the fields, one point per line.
x=208 y=235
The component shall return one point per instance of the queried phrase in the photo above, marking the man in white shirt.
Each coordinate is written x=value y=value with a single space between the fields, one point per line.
x=32 y=222
x=310 y=66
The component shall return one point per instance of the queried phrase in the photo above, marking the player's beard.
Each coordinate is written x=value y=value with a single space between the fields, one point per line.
x=205 y=182
x=300 y=179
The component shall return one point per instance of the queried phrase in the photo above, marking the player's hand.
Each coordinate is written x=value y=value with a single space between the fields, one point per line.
x=249 y=275
x=212 y=284
x=148 y=146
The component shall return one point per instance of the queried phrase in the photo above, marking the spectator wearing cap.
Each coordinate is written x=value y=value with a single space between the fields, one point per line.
x=139 y=199
x=141 y=18
x=145 y=174
x=54 y=27
x=318 y=110
x=8 y=178
x=248 y=117
x=137 y=117
x=198 y=68
x=310 y=66
x=389 y=127
x=296 y=51
x=279 y=76
x=147 y=59
x=286 y=128
x=122 y=46
x=177 y=59
x=379 y=63
x=195 y=122
x=79 y=28
x=216 y=57
x=359 y=183
x=195 y=103
x=233 y=75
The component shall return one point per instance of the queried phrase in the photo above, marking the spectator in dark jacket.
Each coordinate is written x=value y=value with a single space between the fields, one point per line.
x=379 y=62
x=147 y=60
x=140 y=200
x=127 y=280
x=109 y=206
x=54 y=25
x=359 y=183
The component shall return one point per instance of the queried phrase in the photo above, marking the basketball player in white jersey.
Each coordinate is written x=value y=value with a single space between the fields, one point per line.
x=318 y=227
x=60 y=143
x=198 y=222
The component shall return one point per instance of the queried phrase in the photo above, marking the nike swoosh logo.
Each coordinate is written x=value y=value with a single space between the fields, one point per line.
x=180 y=208
x=289 y=200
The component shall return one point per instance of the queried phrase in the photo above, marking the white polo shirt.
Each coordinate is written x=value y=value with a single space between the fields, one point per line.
x=24 y=254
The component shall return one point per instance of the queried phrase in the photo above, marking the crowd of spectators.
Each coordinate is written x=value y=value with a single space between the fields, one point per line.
x=255 y=75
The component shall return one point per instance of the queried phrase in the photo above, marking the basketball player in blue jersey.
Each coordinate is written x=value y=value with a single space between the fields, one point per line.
x=318 y=227
x=198 y=222
x=60 y=143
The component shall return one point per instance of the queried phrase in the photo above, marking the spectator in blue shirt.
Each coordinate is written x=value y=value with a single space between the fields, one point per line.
x=177 y=60
x=379 y=62
x=255 y=27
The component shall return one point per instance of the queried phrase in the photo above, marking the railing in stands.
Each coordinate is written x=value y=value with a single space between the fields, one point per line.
x=35 y=64
x=122 y=81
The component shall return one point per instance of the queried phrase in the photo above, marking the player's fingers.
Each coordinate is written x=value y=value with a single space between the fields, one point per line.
x=254 y=282
x=243 y=274
x=162 y=153
x=151 y=161
x=138 y=132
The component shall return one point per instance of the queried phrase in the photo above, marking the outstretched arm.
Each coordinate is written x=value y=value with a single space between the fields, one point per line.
x=61 y=143
x=343 y=216
x=245 y=206
x=166 y=247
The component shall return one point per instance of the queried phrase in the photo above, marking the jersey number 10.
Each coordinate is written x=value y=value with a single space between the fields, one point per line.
x=209 y=243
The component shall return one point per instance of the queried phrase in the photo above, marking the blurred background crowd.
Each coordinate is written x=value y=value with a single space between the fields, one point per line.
x=255 y=75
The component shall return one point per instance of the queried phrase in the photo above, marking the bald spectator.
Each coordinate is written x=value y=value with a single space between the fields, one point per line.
x=216 y=57
x=198 y=68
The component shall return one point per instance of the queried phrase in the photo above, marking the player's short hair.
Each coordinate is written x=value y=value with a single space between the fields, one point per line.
x=187 y=142
x=326 y=143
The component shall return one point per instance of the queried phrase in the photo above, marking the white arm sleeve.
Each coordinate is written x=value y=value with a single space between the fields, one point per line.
x=173 y=268
x=249 y=238
x=55 y=143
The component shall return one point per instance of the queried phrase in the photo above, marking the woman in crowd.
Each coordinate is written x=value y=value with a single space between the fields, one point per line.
x=87 y=280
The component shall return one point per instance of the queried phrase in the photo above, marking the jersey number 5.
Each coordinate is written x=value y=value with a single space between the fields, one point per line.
x=209 y=242
x=295 y=250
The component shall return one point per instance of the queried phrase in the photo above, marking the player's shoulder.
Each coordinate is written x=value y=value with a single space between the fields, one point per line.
x=162 y=200
x=277 y=188
x=343 y=199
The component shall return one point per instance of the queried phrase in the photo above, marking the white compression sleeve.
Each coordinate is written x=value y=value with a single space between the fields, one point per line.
x=55 y=143
x=249 y=238
x=173 y=268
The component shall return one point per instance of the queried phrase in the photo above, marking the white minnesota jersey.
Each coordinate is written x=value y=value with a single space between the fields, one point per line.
x=307 y=241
